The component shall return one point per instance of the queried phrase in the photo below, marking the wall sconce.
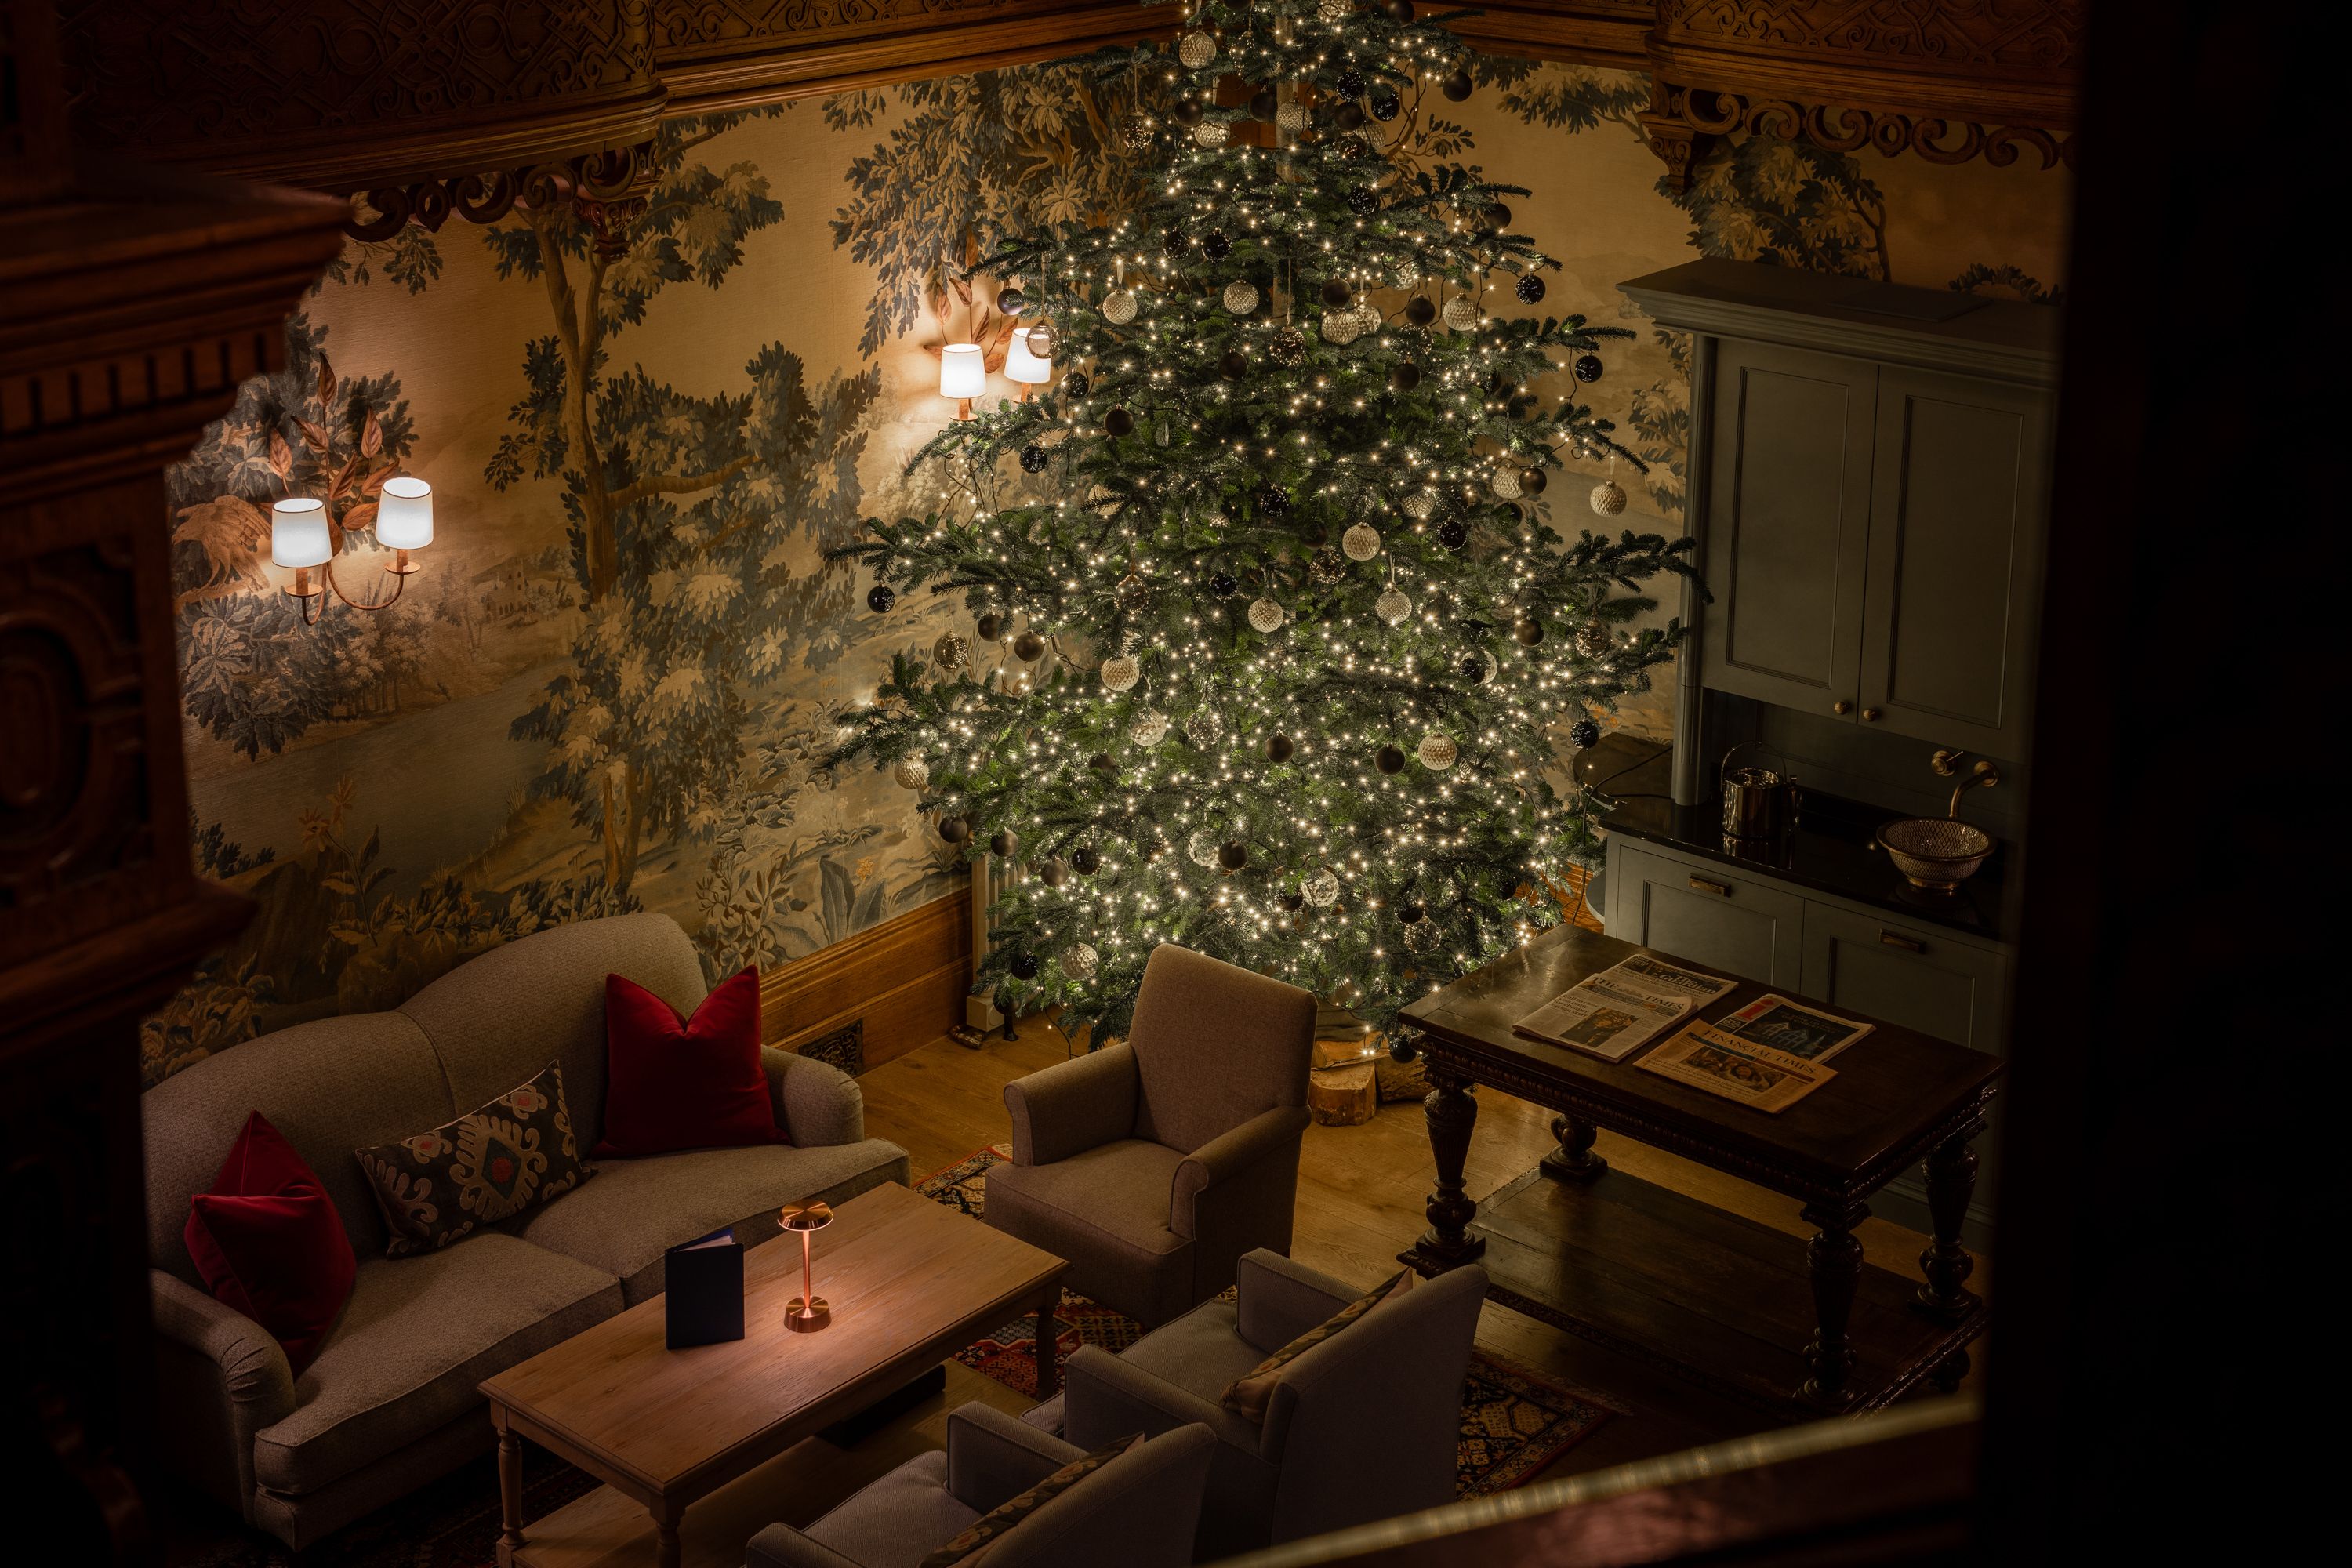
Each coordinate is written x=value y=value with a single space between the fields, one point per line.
x=302 y=537
x=963 y=375
x=1026 y=367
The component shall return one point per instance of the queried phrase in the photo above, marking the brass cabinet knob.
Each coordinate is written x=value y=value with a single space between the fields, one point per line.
x=1870 y=715
x=1841 y=707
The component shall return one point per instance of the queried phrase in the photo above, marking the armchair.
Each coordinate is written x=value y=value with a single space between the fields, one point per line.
x=1138 y=1510
x=1154 y=1164
x=1361 y=1427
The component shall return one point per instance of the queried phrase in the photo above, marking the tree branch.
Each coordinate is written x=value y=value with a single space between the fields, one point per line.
x=679 y=484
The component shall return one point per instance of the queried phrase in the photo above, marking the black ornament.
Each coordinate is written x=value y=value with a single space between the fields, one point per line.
x=1498 y=384
x=1403 y=1051
x=1474 y=667
x=1532 y=481
x=1233 y=856
x=1086 y=860
x=1024 y=966
x=1277 y=748
x=1456 y=85
x=1234 y=366
x=1389 y=759
x=1292 y=901
x=1002 y=843
x=880 y=597
x=1034 y=458
x=1336 y=291
x=989 y=626
x=1410 y=912
x=1530 y=289
x=1498 y=217
x=1364 y=201
x=1189 y=112
x=1076 y=384
x=1028 y=648
x=1119 y=422
x=1215 y=245
x=1273 y=500
x=1530 y=631
x=1223 y=585
x=1011 y=301
x=1399 y=11
x=1588 y=367
x=1101 y=762
x=1584 y=732
x=1263 y=103
x=1177 y=243
x=1052 y=872
x=1454 y=533
x=1404 y=377
x=1384 y=103
x=1351 y=83
x=1509 y=514
x=1420 y=311
x=1348 y=116
x=954 y=829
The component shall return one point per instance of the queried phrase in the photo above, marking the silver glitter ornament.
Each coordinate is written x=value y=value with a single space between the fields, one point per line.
x=1241 y=296
x=1118 y=307
x=1202 y=849
x=1392 y=607
x=1341 y=327
x=1266 y=615
x=1608 y=498
x=1320 y=888
x=1327 y=568
x=910 y=773
x=1079 y=962
x=1287 y=347
x=1360 y=542
x=1421 y=935
x=1133 y=593
x=1201 y=726
x=1150 y=727
x=1437 y=751
x=1592 y=639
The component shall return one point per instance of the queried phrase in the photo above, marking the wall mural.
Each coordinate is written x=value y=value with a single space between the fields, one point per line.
x=616 y=680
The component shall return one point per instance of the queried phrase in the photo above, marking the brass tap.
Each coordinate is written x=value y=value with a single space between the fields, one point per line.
x=1985 y=772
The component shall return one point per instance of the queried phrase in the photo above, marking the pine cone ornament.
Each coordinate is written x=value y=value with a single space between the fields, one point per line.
x=1608 y=499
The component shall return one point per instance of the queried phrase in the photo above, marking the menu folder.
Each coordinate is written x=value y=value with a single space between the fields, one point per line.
x=704 y=1295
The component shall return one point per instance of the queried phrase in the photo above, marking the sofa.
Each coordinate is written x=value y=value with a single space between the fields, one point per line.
x=391 y=1401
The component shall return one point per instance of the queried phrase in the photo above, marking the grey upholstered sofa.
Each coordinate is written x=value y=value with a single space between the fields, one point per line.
x=391 y=1403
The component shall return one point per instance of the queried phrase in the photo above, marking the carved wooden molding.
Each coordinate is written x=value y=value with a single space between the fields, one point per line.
x=609 y=188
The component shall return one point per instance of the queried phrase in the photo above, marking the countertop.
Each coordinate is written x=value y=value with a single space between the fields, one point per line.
x=1833 y=848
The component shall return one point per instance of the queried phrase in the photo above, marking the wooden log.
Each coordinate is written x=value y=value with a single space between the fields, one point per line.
x=1400 y=1080
x=1343 y=1096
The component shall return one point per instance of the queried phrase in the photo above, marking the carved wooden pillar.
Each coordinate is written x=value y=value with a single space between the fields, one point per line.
x=130 y=305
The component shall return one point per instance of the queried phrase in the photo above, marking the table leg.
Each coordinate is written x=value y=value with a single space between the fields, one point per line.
x=1951 y=1171
x=1951 y=1371
x=1452 y=1112
x=668 y=1552
x=1834 y=1259
x=1049 y=1345
x=509 y=1491
x=1574 y=1160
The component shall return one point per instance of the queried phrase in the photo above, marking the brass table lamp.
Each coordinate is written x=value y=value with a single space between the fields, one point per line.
x=808 y=1312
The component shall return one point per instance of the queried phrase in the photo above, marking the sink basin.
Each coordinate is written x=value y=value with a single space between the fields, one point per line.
x=1938 y=853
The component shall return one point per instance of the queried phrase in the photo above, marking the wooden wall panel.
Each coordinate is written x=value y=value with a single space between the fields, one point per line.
x=906 y=978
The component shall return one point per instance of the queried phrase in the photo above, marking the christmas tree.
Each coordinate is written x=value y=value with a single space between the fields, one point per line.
x=1276 y=654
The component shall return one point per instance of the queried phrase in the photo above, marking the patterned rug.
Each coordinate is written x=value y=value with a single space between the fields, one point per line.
x=1514 y=1421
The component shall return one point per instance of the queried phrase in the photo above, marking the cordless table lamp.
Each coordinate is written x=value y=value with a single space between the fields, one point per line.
x=808 y=1312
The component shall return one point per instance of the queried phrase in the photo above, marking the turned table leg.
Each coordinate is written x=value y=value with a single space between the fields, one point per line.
x=1834 y=1261
x=1452 y=1112
x=510 y=1494
x=1951 y=1171
x=1574 y=1160
x=1049 y=1344
x=668 y=1552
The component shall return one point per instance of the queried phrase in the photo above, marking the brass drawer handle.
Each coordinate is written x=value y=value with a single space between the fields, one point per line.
x=1907 y=943
x=1701 y=885
x=1841 y=707
x=1870 y=715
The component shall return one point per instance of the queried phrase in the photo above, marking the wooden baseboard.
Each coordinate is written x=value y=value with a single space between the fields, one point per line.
x=906 y=978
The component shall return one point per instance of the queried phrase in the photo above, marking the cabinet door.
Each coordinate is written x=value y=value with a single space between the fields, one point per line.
x=1705 y=914
x=1914 y=975
x=1786 y=523
x=1955 y=559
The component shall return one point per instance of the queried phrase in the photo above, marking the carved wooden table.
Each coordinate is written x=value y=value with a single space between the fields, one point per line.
x=1701 y=1293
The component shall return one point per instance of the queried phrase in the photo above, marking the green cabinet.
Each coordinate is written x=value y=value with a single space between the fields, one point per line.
x=1741 y=925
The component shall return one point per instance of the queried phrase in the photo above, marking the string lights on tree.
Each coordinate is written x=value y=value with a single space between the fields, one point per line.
x=1276 y=654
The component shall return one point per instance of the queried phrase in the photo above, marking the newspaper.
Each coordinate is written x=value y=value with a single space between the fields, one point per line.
x=1755 y=1075
x=1615 y=1012
x=1791 y=1028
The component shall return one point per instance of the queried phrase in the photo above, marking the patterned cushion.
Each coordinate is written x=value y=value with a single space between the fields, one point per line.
x=985 y=1530
x=513 y=1152
x=1249 y=1395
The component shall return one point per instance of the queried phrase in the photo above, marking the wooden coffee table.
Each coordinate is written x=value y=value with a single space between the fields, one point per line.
x=911 y=1282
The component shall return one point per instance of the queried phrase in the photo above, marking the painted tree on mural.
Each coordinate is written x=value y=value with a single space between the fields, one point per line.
x=682 y=509
x=251 y=672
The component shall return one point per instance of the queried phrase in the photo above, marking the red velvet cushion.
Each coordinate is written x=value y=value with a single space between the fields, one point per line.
x=678 y=1083
x=267 y=1242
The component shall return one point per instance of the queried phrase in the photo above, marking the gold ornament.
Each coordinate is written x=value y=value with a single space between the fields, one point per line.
x=1461 y=314
x=1607 y=500
x=948 y=653
x=1241 y=296
x=1079 y=962
x=1118 y=307
x=1266 y=615
x=1438 y=751
x=1150 y=727
x=1320 y=888
x=1392 y=607
x=1196 y=51
x=1121 y=673
x=910 y=773
x=1211 y=134
x=1360 y=542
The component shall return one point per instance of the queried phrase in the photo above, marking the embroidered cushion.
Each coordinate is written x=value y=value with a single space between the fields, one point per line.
x=267 y=1241
x=1249 y=1395
x=683 y=1083
x=512 y=1153
x=990 y=1527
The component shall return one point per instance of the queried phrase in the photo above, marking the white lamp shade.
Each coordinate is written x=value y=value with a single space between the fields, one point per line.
x=963 y=371
x=404 y=514
x=1022 y=364
x=298 y=532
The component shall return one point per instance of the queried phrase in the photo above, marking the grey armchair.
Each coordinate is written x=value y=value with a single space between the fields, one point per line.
x=1152 y=1165
x=1138 y=1510
x=1363 y=1426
